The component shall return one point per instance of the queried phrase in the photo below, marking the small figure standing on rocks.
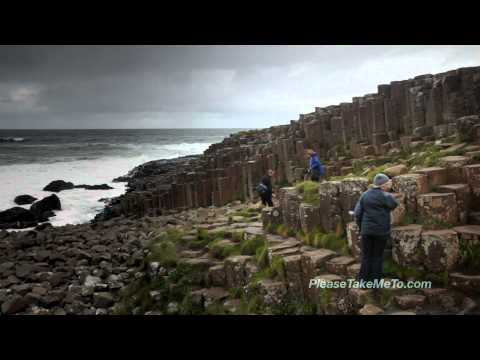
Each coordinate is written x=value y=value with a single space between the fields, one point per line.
x=265 y=189
x=372 y=214
x=316 y=168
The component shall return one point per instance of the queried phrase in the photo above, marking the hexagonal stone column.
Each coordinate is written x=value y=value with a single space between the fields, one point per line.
x=406 y=245
x=438 y=207
x=441 y=250
x=411 y=185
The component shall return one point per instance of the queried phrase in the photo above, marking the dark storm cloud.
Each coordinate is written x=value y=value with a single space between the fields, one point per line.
x=199 y=86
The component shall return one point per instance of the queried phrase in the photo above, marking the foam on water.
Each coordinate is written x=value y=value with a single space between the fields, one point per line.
x=80 y=205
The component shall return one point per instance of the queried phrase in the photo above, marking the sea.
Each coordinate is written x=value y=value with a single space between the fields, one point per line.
x=30 y=159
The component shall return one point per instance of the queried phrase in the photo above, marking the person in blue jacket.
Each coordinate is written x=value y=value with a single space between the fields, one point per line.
x=316 y=168
x=373 y=217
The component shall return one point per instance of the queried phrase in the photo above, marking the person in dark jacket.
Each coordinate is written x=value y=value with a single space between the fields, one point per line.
x=373 y=217
x=316 y=169
x=266 y=195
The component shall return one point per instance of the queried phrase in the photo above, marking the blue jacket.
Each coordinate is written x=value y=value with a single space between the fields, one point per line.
x=372 y=212
x=315 y=163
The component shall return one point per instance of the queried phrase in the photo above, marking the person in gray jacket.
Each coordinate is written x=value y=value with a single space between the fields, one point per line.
x=372 y=215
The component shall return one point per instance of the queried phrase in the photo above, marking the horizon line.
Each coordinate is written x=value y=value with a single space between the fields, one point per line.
x=198 y=128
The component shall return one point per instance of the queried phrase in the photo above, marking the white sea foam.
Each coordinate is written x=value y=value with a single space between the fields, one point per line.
x=80 y=205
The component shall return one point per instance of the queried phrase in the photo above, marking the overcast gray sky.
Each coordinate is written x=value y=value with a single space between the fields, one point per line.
x=199 y=86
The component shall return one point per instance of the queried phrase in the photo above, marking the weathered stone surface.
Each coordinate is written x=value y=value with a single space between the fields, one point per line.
x=440 y=207
x=436 y=176
x=353 y=270
x=472 y=177
x=309 y=217
x=295 y=276
x=454 y=166
x=467 y=127
x=217 y=275
x=58 y=185
x=411 y=185
x=314 y=260
x=370 y=309
x=406 y=245
x=353 y=238
x=330 y=207
x=272 y=292
x=462 y=197
x=271 y=217
x=236 y=270
x=396 y=170
x=339 y=265
x=398 y=215
x=441 y=249
x=408 y=301
x=464 y=282
x=350 y=191
x=290 y=204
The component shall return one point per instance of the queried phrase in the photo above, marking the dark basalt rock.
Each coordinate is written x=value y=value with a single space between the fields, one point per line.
x=17 y=218
x=24 y=199
x=94 y=187
x=58 y=185
x=43 y=209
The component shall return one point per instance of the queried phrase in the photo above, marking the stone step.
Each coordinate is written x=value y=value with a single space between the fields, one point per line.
x=438 y=206
x=339 y=265
x=464 y=282
x=454 y=166
x=435 y=175
x=468 y=233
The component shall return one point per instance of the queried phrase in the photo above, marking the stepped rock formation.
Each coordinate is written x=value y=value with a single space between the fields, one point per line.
x=400 y=115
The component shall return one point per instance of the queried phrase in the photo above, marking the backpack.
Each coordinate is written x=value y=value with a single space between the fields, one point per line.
x=261 y=188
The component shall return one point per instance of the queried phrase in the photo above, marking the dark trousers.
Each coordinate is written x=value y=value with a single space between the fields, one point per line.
x=373 y=247
x=267 y=199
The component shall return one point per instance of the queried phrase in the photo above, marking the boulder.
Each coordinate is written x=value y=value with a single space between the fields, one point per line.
x=15 y=304
x=441 y=250
x=24 y=199
x=43 y=209
x=58 y=185
x=17 y=217
x=103 y=299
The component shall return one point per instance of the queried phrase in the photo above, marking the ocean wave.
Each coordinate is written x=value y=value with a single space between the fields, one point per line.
x=12 y=139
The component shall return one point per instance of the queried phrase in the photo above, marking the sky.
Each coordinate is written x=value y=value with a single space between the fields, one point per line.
x=147 y=86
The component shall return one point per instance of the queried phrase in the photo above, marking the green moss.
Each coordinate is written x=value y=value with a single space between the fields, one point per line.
x=222 y=251
x=429 y=223
x=470 y=255
x=163 y=252
x=249 y=247
x=309 y=192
